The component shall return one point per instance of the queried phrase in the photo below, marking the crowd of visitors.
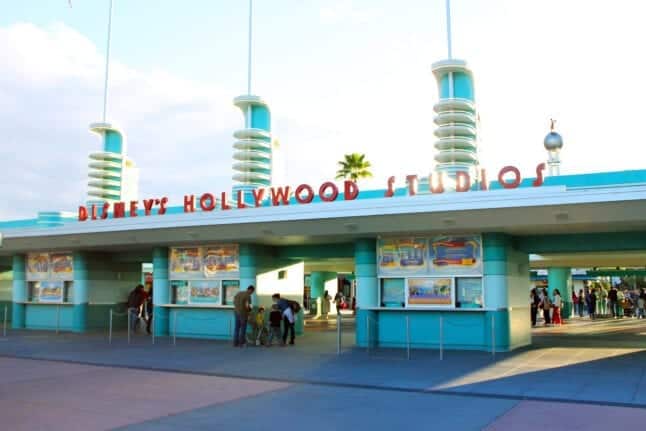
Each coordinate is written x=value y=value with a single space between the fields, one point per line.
x=593 y=301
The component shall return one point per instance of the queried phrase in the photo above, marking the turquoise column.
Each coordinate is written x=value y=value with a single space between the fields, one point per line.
x=365 y=260
x=561 y=278
x=81 y=294
x=495 y=250
x=19 y=291
x=161 y=291
x=248 y=267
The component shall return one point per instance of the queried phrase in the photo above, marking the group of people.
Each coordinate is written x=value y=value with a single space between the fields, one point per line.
x=283 y=313
x=140 y=307
x=595 y=301
x=614 y=302
x=540 y=301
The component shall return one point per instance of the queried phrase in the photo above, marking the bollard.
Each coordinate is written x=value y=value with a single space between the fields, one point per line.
x=493 y=336
x=4 y=325
x=128 y=317
x=175 y=328
x=368 y=334
x=441 y=338
x=110 y=329
x=58 y=318
x=338 y=334
x=408 y=338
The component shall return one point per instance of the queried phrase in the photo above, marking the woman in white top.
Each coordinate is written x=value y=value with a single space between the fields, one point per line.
x=556 y=311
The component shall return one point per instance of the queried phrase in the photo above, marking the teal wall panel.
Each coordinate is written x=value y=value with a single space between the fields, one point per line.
x=19 y=291
x=161 y=291
x=196 y=323
x=46 y=316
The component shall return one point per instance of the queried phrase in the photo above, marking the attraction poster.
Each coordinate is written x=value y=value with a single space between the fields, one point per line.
x=430 y=292
x=231 y=288
x=402 y=256
x=393 y=292
x=62 y=267
x=456 y=255
x=50 y=291
x=180 y=290
x=221 y=259
x=37 y=266
x=469 y=292
x=185 y=262
x=205 y=292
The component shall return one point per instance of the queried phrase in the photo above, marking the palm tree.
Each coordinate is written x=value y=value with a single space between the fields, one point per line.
x=354 y=167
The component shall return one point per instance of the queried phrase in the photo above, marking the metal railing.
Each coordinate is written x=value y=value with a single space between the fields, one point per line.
x=4 y=324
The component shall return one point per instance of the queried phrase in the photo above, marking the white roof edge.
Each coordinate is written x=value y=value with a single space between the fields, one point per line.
x=443 y=203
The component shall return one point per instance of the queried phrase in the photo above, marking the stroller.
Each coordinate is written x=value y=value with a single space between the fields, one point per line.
x=259 y=334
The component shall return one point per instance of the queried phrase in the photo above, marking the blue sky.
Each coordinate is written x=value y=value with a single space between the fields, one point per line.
x=340 y=76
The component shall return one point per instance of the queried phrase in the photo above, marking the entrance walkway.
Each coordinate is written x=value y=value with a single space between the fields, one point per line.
x=588 y=368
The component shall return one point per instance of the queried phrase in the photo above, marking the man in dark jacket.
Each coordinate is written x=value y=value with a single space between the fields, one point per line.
x=241 y=307
x=612 y=301
x=135 y=299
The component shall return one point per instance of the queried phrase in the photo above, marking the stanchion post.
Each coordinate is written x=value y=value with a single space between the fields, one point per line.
x=441 y=338
x=110 y=329
x=152 y=325
x=128 y=317
x=4 y=325
x=493 y=336
x=175 y=328
x=408 y=337
x=338 y=334
x=58 y=318
x=368 y=334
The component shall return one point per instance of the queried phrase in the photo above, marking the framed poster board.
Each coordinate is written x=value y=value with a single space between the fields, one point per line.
x=185 y=263
x=37 y=266
x=205 y=292
x=61 y=266
x=393 y=292
x=402 y=256
x=455 y=255
x=179 y=292
x=221 y=260
x=51 y=291
x=468 y=292
x=430 y=292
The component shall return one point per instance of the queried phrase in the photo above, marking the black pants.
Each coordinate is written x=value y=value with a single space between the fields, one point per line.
x=149 y=321
x=534 y=311
x=287 y=326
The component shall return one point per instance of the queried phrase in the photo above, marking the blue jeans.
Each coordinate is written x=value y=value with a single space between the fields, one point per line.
x=133 y=318
x=240 y=330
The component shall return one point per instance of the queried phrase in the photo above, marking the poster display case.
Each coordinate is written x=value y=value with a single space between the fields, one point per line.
x=439 y=271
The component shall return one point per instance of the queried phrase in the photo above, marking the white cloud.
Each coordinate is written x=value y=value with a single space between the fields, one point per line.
x=51 y=89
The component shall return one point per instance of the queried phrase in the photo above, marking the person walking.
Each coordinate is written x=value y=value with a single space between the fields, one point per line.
x=534 y=301
x=275 y=319
x=602 y=299
x=575 y=303
x=149 y=310
x=325 y=305
x=641 y=303
x=581 y=302
x=546 y=306
x=612 y=302
x=556 y=308
x=241 y=308
x=135 y=300
x=288 y=325
x=591 y=300
x=338 y=300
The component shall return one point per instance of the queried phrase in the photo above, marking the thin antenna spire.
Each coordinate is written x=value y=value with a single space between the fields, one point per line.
x=449 y=40
x=250 y=46
x=107 y=64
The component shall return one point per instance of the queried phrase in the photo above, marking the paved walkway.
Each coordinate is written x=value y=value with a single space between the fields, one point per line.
x=202 y=383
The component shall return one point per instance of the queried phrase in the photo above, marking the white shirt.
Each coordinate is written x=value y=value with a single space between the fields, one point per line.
x=557 y=301
x=289 y=314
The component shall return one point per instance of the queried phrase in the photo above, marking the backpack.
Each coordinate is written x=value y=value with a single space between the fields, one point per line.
x=295 y=306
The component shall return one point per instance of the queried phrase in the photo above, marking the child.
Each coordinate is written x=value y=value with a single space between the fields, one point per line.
x=275 y=317
x=260 y=327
